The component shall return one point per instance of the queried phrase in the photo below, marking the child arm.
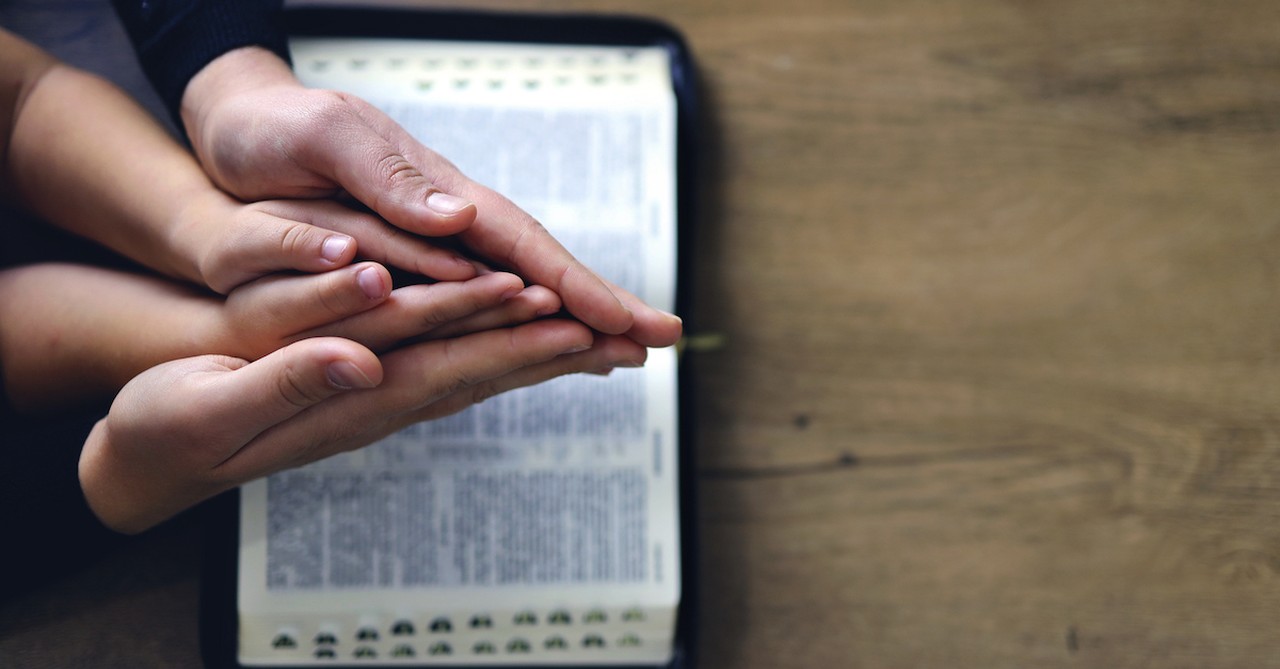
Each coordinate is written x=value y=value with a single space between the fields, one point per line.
x=71 y=333
x=85 y=157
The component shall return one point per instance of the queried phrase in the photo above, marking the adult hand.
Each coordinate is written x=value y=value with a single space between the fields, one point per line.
x=158 y=206
x=259 y=133
x=187 y=430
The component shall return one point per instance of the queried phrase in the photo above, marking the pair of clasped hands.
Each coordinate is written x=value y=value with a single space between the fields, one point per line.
x=307 y=350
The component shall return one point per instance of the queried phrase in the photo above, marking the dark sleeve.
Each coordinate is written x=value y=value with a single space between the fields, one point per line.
x=43 y=514
x=176 y=38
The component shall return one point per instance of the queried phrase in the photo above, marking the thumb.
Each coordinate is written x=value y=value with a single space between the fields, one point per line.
x=272 y=244
x=370 y=161
x=275 y=388
x=186 y=430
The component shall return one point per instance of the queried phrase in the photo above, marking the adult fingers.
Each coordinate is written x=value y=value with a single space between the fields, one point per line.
x=362 y=151
x=174 y=429
x=498 y=230
x=424 y=373
x=415 y=377
x=651 y=327
x=268 y=392
x=608 y=352
x=278 y=307
x=509 y=237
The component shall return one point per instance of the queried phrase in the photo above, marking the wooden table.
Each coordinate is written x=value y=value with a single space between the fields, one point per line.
x=1000 y=293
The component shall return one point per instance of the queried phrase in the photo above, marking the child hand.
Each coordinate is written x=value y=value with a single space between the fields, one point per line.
x=230 y=243
x=72 y=332
x=356 y=303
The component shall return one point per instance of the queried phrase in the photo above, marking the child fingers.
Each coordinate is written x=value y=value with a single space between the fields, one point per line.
x=380 y=241
x=264 y=244
x=281 y=306
x=415 y=311
x=531 y=303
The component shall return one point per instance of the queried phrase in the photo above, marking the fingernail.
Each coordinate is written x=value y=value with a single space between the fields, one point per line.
x=370 y=281
x=577 y=349
x=512 y=293
x=334 y=247
x=444 y=203
x=344 y=375
x=628 y=363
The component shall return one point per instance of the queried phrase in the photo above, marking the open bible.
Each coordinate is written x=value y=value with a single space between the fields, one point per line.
x=542 y=527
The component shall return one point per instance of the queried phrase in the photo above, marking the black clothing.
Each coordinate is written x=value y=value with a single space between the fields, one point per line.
x=48 y=526
x=43 y=512
x=175 y=39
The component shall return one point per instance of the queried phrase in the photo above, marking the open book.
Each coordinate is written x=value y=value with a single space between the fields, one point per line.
x=543 y=526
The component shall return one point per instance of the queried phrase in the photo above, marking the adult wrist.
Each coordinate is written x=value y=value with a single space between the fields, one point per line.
x=233 y=73
x=176 y=39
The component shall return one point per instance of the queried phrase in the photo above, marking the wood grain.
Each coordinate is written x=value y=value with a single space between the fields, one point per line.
x=999 y=286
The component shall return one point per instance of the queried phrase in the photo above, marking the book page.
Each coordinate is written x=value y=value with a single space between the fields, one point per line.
x=540 y=527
